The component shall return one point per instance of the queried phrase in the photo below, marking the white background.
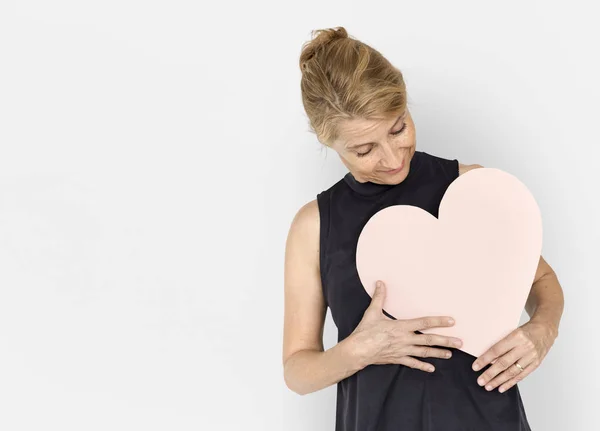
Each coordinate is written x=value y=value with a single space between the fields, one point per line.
x=153 y=155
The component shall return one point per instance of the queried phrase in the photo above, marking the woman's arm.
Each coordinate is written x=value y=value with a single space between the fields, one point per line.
x=546 y=301
x=307 y=367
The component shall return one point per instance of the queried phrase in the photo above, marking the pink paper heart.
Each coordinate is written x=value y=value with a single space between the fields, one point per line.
x=476 y=262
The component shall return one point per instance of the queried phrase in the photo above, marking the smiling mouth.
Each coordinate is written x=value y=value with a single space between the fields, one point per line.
x=392 y=171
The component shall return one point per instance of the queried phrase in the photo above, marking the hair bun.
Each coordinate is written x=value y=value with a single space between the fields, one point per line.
x=320 y=38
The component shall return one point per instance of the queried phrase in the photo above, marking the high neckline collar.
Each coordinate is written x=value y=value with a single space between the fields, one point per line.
x=371 y=189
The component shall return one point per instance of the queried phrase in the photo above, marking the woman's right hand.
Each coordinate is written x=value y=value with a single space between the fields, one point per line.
x=380 y=340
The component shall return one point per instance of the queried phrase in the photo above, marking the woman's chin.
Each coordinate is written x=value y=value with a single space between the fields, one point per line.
x=394 y=178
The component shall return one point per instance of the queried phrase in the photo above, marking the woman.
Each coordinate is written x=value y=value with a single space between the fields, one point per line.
x=356 y=102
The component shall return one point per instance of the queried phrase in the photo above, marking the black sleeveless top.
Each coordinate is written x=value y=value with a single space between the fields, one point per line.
x=394 y=397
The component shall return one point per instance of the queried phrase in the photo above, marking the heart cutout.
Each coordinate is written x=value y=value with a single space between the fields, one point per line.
x=476 y=262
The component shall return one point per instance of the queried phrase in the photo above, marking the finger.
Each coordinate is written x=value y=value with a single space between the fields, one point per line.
x=512 y=372
x=503 y=363
x=527 y=370
x=429 y=352
x=435 y=340
x=379 y=294
x=411 y=362
x=500 y=348
x=429 y=322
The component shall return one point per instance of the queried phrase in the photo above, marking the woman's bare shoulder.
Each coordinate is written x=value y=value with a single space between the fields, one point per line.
x=305 y=230
x=466 y=168
x=307 y=217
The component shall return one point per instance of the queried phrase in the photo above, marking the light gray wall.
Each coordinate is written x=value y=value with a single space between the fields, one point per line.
x=153 y=154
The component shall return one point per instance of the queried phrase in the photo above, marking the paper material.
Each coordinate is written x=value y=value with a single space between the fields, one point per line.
x=475 y=263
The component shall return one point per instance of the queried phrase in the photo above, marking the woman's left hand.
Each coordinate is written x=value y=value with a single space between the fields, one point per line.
x=528 y=345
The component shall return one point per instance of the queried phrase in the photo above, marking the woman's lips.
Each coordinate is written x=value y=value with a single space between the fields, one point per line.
x=395 y=171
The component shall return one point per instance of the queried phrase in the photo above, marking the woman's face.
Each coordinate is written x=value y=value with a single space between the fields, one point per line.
x=369 y=148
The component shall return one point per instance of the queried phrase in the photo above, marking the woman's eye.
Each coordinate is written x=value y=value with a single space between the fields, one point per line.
x=394 y=133
x=400 y=131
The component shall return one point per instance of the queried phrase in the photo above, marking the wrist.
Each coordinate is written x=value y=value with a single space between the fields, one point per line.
x=550 y=326
x=355 y=350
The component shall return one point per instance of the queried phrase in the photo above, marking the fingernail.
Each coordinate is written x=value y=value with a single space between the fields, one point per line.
x=475 y=367
x=379 y=284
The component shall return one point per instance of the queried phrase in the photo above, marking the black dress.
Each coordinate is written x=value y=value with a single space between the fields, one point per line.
x=394 y=397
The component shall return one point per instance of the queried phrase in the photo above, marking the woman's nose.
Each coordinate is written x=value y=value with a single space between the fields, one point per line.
x=391 y=159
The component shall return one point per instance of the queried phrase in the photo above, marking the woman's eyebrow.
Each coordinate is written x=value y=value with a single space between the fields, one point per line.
x=367 y=143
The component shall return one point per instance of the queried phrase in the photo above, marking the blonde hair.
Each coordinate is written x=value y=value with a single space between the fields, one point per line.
x=343 y=79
